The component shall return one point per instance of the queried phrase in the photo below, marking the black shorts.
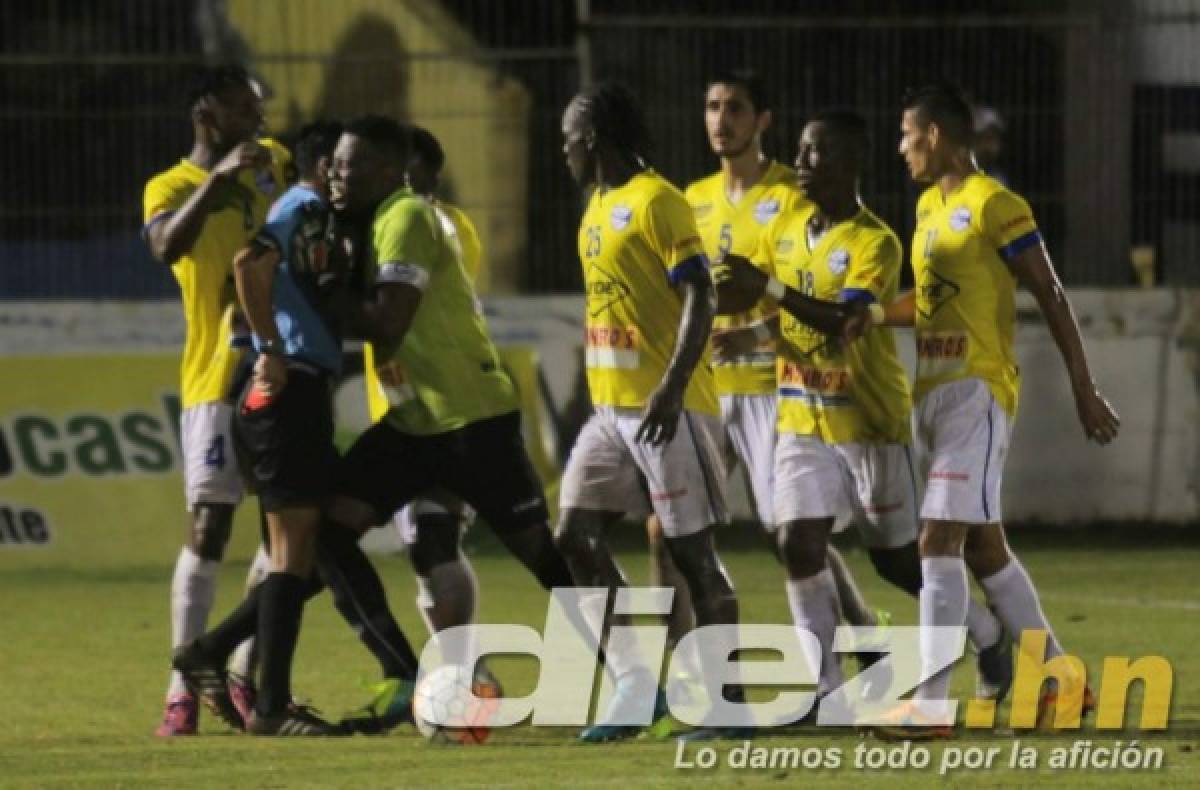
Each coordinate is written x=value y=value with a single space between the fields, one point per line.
x=483 y=463
x=287 y=443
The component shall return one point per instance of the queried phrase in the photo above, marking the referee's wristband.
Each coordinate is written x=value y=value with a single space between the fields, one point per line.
x=775 y=288
x=875 y=310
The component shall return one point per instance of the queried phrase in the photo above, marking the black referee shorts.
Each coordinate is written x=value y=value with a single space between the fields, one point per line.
x=286 y=442
x=483 y=463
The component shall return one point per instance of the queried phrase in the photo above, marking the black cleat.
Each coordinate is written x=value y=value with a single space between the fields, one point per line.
x=207 y=679
x=995 y=669
x=297 y=720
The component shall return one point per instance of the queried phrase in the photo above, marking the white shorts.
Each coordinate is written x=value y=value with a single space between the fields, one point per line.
x=210 y=467
x=683 y=481
x=962 y=438
x=405 y=519
x=749 y=422
x=872 y=486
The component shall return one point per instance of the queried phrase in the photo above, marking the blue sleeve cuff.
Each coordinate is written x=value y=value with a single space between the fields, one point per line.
x=857 y=295
x=696 y=263
x=1019 y=245
x=157 y=218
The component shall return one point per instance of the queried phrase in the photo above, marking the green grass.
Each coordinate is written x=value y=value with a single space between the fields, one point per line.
x=83 y=666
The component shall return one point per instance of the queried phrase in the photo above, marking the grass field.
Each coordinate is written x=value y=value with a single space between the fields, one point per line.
x=83 y=666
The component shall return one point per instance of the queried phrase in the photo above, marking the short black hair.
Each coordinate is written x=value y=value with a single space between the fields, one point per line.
x=944 y=104
x=426 y=147
x=387 y=134
x=215 y=80
x=617 y=118
x=849 y=125
x=748 y=80
x=316 y=140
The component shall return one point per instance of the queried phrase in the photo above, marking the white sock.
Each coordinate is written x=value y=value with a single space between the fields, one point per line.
x=193 y=588
x=943 y=602
x=814 y=605
x=245 y=657
x=1012 y=594
x=450 y=589
x=982 y=625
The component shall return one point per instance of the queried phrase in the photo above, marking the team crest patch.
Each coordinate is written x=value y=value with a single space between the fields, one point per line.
x=838 y=261
x=784 y=246
x=264 y=181
x=960 y=218
x=620 y=217
x=764 y=210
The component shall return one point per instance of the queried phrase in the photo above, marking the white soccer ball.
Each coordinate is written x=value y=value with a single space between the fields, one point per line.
x=446 y=709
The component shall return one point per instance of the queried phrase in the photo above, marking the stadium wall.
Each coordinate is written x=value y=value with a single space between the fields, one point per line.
x=89 y=416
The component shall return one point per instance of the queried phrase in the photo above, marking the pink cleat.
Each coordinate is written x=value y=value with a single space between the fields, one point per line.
x=179 y=718
x=243 y=694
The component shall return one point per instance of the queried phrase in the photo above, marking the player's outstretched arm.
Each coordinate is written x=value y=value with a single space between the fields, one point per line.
x=660 y=418
x=1033 y=269
x=175 y=236
x=745 y=284
x=254 y=274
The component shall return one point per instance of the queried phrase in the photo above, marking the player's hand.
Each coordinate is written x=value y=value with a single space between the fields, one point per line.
x=739 y=274
x=660 y=418
x=270 y=374
x=858 y=322
x=1098 y=417
x=728 y=344
x=248 y=154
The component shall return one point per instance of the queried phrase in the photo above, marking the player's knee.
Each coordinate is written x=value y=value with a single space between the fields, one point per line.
x=986 y=551
x=942 y=539
x=802 y=546
x=437 y=541
x=211 y=527
x=696 y=558
x=576 y=534
x=900 y=566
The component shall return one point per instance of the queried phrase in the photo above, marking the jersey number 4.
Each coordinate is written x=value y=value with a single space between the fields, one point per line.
x=214 y=456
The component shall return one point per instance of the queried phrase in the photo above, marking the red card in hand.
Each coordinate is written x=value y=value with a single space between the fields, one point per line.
x=256 y=399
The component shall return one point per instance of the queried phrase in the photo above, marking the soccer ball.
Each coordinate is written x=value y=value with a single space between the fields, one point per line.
x=447 y=710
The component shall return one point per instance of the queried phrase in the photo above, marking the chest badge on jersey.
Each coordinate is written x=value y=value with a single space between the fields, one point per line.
x=838 y=261
x=764 y=210
x=620 y=217
x=960 y=218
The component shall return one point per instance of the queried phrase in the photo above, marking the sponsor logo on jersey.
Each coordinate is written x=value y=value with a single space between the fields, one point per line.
x=784 y=246
x=764 y=210
x=603 y=290
x=702 y=210
x=960 y=218
x=935 y=292
x=838 y=261
x=620 y=217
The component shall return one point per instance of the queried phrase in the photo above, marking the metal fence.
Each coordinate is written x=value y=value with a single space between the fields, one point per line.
x=1100 y=104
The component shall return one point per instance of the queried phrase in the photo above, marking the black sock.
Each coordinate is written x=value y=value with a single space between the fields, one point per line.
x=359 y=596
x=242 y=623
x=281 y=602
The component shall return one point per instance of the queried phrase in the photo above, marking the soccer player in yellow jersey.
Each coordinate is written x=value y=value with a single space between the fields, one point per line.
x=734 y=207
x=197 y=215
x=649 y=312
x=974 y=241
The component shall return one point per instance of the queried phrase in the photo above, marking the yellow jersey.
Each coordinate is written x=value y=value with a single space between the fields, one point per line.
x=464 y=240
x=964 y=288
x=205 y=272
x=840 y=393
x=735 y=227
x=635 y=241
